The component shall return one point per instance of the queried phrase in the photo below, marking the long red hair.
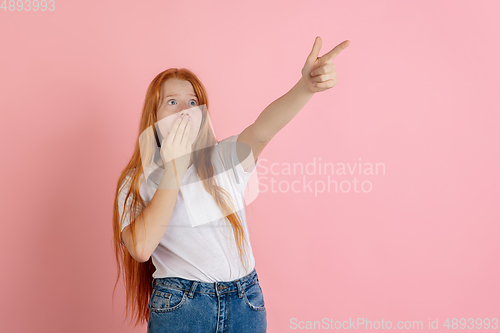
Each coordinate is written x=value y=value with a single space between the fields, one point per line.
x=139 y=276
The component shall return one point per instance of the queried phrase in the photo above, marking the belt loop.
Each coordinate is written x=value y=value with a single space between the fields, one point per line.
x=153 y=283
x=240 y=289
x=193 y=287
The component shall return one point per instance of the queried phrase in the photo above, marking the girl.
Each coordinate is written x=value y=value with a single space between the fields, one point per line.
x=180 y=231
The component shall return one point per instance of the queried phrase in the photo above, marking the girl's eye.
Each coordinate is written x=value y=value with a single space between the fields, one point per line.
x=193 y=100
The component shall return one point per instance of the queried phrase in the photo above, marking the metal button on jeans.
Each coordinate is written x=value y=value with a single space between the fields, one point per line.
x=221 y=287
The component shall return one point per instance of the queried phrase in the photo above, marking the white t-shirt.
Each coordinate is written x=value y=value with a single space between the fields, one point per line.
x=199 y=243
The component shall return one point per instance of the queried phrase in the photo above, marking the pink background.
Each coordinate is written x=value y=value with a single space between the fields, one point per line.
x=417 y=90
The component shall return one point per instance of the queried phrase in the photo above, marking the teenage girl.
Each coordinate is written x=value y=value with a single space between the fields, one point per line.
x=180 y=230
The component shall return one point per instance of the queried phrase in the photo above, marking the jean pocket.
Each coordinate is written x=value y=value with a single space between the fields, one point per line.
x=164 y=299
x=254 y=297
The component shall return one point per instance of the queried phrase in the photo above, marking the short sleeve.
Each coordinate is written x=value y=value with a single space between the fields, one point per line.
x=125 y=207
x=228 y=147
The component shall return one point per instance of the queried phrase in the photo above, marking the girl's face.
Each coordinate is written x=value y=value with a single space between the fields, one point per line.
x=178 y=97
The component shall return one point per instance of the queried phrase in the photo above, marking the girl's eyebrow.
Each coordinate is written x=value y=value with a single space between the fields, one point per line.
x=178 y=95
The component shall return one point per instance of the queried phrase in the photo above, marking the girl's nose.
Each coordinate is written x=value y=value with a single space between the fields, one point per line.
x=184 y=113
x=184 y=109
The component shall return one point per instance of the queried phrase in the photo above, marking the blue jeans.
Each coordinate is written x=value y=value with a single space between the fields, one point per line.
x=179 y=305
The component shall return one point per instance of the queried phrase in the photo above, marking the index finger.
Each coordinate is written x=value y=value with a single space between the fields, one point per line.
x=181 y=127
x=336 y=50
x=175 y=128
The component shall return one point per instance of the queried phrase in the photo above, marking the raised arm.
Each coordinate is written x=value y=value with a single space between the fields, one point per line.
x=318 y=74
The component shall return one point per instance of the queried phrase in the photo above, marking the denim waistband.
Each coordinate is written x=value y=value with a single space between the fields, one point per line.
x=192 y=286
